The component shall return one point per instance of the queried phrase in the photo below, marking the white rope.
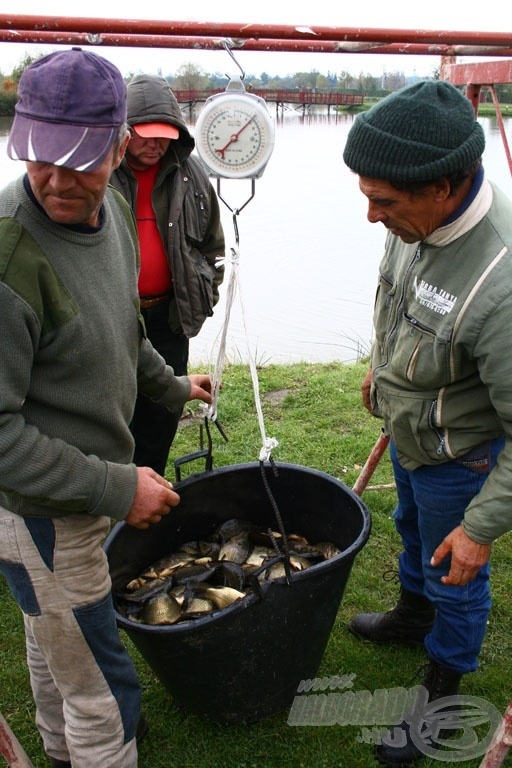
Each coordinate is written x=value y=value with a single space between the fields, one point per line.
x=268 y=443
x=211 y=410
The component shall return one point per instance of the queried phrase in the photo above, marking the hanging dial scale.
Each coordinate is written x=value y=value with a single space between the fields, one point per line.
x=234 y=133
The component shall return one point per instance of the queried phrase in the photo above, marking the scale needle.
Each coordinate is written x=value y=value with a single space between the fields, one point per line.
x=234 y=137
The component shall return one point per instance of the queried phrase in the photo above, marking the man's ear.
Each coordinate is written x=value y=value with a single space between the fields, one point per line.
x=120 y=151
x=442 y=189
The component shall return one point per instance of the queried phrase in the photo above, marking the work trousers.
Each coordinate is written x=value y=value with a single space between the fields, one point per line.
x=431 y=503
x=153 y=426
x=83 y=681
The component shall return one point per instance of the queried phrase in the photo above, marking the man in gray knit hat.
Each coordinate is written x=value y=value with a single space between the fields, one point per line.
x=439 y=378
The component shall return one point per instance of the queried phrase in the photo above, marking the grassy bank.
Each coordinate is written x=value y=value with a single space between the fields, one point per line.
x=315 y=413
x=484 y=110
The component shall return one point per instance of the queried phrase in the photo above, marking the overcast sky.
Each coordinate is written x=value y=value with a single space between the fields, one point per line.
x=455 y=15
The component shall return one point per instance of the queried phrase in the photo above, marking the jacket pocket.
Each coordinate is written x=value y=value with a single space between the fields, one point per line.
x=195 y=215
x=420 y=355
x=384 y=300
x=205 y=288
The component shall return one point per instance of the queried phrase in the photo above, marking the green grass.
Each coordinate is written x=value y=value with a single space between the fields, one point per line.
x=315 y=413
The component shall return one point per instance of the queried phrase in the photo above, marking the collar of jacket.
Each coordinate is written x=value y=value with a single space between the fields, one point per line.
x=468 y=219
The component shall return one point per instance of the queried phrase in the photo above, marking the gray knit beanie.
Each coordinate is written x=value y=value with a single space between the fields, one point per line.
x=420 y=133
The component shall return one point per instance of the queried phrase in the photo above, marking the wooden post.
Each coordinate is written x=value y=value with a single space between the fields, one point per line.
x=501 y=743
x=371 y=463
x=11 y=749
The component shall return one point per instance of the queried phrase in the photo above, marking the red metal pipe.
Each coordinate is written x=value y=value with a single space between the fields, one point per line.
x=249 y=44
x=255 y=31
x=501 y=125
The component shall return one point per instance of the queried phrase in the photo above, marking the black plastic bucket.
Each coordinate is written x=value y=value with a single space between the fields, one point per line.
x=244 y=663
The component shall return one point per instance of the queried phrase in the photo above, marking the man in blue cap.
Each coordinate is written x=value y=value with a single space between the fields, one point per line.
x=440 y=378
x=74 y=354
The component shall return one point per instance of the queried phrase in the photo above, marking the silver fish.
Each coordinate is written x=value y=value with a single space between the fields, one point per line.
x=236 y=549
x=221 y=597
x=207 y=575
x=299 y=563
x=327 y=549
x=162 y=609
x=149 y=589
x=166 y=565
x=197 y=606
x=193 y=572
x=259 y=554
x=234 y=527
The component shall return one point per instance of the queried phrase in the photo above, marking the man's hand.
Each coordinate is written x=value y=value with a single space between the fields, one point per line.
x=201 y=387
x=365 y=390
x=467 y=557
x=154 y=498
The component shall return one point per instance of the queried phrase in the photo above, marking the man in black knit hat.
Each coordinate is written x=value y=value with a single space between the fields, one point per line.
x=439 y=378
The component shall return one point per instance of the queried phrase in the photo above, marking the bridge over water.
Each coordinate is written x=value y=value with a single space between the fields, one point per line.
x=280 y=97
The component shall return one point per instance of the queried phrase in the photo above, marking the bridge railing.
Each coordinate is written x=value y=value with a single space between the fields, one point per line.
x=279 y=96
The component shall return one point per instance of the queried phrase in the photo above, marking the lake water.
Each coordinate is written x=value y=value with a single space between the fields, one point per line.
x=307 y=256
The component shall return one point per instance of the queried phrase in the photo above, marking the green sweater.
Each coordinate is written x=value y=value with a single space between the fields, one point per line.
x=73 y=353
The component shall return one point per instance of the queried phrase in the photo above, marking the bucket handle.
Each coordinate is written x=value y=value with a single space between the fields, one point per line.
x=286 y=551
x=254 y=580
x=202 y=453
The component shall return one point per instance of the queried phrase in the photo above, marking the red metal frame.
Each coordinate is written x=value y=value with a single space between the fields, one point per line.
x=482 y=75
x=247 y=36
x=69 y=37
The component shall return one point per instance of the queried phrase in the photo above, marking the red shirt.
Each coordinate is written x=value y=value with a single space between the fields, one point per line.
x=155 y=276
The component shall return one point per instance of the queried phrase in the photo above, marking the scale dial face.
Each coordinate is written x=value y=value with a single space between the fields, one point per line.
x=235 y=135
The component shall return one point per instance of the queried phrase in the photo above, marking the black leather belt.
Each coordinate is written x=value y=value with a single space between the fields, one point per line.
x=146 y=302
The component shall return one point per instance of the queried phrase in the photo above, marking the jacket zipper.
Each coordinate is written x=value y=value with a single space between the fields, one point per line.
x=432 y=420
x=415 y=258
x=200 y=200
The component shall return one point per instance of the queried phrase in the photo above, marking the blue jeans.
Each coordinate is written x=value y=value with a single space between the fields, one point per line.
x=431 y=503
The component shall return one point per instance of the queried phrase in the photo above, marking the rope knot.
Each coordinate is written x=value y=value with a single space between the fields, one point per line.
x=269 y=444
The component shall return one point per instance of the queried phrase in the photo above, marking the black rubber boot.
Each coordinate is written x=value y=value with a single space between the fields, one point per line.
x=54 y=763
x=415 y=737
x=408 y=622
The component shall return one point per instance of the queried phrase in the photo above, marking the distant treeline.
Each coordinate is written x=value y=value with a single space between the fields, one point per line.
x=191 y=77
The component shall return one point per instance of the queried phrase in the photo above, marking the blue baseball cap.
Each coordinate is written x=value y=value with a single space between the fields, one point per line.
x=70 y=107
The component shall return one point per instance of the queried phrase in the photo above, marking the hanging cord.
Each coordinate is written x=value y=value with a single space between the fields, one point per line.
x=286 y=551
x=211 y=410
x=268 y=443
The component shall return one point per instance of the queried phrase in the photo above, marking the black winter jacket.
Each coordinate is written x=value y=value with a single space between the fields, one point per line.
x=185 y=205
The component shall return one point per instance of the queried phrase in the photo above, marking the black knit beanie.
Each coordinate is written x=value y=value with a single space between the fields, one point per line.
x=420 y=133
